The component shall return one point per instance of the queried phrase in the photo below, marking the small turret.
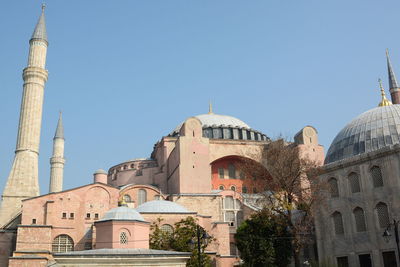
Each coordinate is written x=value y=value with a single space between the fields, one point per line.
x=100 y=176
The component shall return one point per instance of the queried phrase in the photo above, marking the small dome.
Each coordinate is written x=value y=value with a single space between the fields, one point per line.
x=122 y=214
x=374 y=129
x=100 y=171
x=161 y=206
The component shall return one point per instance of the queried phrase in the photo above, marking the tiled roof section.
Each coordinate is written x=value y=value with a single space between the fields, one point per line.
x=60 y=128
x=139 y=252
x=392 y=76
x=40 y=32
x=370 y=131
x=161 y=206
x=122 y=214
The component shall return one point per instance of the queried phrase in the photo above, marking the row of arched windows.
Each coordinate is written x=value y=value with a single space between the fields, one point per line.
x=382 y=214
x=354 y=182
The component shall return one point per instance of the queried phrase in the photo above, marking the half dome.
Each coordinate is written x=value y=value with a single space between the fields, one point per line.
x=122 y=214
x=374 y=129
x=162 y=206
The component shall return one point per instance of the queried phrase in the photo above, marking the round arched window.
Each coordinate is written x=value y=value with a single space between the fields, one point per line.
x=221 y=187
x=233 y=188
x=166 y=228
x=63 y=243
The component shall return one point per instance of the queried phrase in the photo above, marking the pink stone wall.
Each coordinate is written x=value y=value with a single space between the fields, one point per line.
x=108 y=234
x=15 y=262
x=33 y=238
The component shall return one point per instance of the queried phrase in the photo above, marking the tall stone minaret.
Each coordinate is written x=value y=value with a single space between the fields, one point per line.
x=23 y=178
x=393 y=86
x=57 y=161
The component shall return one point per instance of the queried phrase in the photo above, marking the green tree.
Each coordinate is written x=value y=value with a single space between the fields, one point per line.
x=184 y=233
x=264 y=241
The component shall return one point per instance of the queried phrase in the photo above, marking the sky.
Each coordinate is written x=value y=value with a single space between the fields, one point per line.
x=125 y=73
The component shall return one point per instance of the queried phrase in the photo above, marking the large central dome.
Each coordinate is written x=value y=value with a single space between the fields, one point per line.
x=370 y=131
x=217 y=126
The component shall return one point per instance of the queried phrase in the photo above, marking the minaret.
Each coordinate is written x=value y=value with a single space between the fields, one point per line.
x=393 y=86
x=57 y=161
x=22 y=181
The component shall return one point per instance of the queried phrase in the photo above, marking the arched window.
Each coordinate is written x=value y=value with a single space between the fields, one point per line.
x=244 y=190
x=377 y=178
x=127 y=198
x=123 y=238
x=231 y=171
x=333 y=187
x=360 y=219
x=354 y=182
x=166 y=228
x=142 y=196
x=383 y=214
x=221 y=173
x=63 y=243
x=221 y=187
x=233 y=188
x=338 y=223
x=228 y=203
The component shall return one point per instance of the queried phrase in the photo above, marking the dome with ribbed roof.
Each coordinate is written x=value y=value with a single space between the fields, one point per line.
x=374 y=129
x=161 y=206
x=122 y=214
x=216 y=126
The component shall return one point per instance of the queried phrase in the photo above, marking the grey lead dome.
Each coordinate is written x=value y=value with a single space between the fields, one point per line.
x=161 y=206
x=374 y=129
x=122 y=214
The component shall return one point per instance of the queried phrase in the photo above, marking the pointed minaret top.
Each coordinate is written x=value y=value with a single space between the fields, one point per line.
x=40 y=30
x=210 y=108
x=392 y=78
x=60 y=128
x=384 y=101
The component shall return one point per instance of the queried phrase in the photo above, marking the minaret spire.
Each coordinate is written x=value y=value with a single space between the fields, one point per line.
x=23 y=179
x=57 y=160
x=384 y=101
x=393 y=85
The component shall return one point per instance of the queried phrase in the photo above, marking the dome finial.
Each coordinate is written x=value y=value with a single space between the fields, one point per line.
x=121 y=202
x=384 y=101
x=210 y=108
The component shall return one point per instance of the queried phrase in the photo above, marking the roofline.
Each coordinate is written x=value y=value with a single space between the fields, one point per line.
x=54 y=193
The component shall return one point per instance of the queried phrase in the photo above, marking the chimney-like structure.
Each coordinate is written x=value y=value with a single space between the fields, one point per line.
x=57 y=160
x=23 y=181
x=393 y=85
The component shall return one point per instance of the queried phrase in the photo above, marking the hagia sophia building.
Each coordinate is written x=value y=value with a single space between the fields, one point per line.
x=193 y=171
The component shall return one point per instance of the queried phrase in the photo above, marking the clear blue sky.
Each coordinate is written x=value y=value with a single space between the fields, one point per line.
x=125 y=73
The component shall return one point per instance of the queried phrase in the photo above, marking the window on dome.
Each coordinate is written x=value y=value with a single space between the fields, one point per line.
x=383 y=214
x=208 y=133
x=359 y=219
x=227 y=133
x=338 y=223
x=123 y=238
x=217 y=133
x=377 y=178
x=62 y=243
x=231 y=171
x=142 y=196
x=354 y=182
x=221 y=173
